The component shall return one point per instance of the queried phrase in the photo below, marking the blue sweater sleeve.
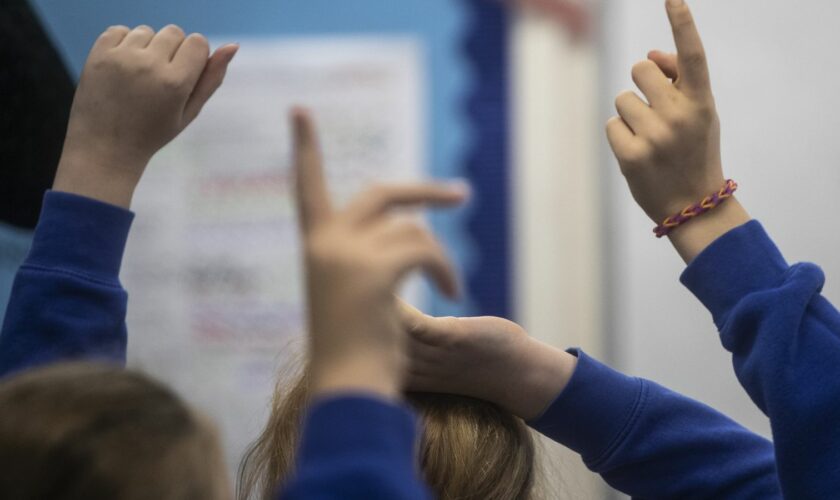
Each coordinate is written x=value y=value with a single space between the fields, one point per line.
x=785 y=343
x=652 y=443
x=357 y=448
x=67 y=302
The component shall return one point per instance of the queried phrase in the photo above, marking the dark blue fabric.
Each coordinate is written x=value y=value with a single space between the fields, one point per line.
x=67 y=302
x=652 y=443
x=785 y=343
x=488 y=158
x=645 y=440
x=357 y=447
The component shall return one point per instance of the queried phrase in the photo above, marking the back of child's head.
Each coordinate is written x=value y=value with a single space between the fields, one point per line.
x=86 y=431
x=469 y=450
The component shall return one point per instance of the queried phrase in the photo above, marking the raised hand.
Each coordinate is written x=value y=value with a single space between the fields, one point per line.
x=486 y=358
x=138 y=91
x=668 y=145
x=355 y=259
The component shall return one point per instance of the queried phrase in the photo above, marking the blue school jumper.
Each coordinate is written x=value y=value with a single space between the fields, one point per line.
x=67 y=303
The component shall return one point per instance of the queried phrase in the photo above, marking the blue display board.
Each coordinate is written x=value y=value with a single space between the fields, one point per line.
x=465 y=45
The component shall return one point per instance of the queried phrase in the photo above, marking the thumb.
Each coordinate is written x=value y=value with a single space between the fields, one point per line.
x=410 y=316
x=209 y=81
x=421 y=326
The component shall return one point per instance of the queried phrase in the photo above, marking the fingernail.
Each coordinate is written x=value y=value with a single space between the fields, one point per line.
x=233 y=52
x=676 y=3
x=298 y=112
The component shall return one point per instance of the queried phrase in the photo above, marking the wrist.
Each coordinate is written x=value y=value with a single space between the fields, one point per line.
x=368 y=374
x=542 y=372
x=102 y=177
x=693 y=237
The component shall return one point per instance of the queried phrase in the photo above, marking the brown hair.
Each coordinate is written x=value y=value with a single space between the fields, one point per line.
x=88 y=431
x=470 y=449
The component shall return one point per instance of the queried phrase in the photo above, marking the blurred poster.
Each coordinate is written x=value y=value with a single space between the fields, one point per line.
x=212 y=267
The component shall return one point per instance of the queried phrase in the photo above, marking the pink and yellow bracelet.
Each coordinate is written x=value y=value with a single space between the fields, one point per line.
x=690 y=212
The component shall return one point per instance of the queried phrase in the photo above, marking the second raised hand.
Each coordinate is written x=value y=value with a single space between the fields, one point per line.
x=355 y=259
x=138 y=91
x=486 y=358
x=668 y=145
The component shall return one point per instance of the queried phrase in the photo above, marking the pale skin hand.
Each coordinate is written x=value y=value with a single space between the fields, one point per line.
x=355 y=260
x=486 y=358
x=138 y=91
x=669 y=147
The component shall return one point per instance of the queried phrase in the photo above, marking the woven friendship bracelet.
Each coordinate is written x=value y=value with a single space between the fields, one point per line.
x=696 y=210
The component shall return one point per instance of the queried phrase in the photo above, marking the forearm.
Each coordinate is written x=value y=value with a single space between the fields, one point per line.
x=67 y=301
x=539 y=373
x=649 y=442
x=356 y=375
x=106 y=176
x=785 y=341
x=695 y=236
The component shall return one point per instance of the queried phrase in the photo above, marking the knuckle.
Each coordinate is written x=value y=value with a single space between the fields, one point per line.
x=635 y=156
x=618 y=100
x=706 y=111
x=661 y=136
x=624 y=97
x=175 y=29
x=612 y=123
x=678 y=121
x=173 y=82
x=416 y=326
x=200 y=41
x=144 y=65
x=640 y=68
x=696 y=58
x=103 y=62
x=116 y=29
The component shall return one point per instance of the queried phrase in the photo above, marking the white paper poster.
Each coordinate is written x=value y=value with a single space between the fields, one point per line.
x=212 y=267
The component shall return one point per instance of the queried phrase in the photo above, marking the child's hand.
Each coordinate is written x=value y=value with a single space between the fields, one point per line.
x=669 y=146
x=138 y=90
x=486 y=358
x=355 y=260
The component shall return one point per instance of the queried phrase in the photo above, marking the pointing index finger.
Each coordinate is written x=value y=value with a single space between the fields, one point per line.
x=691 y=56
x=312 y=196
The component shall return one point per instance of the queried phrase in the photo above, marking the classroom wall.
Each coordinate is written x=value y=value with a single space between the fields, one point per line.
x=437 y=26
x=775 y=75
x=14 y=245
x=556 y=197
x=775 y=72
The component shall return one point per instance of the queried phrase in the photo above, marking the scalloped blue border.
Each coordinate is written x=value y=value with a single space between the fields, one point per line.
x=471 y=141
x=487 y=164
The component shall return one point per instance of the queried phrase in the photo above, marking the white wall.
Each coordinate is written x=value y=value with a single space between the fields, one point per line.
x=557 y=205
x=776 y=72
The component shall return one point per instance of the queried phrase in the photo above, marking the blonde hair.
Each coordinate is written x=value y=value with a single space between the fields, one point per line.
x=97 y=432
x=469 y=450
